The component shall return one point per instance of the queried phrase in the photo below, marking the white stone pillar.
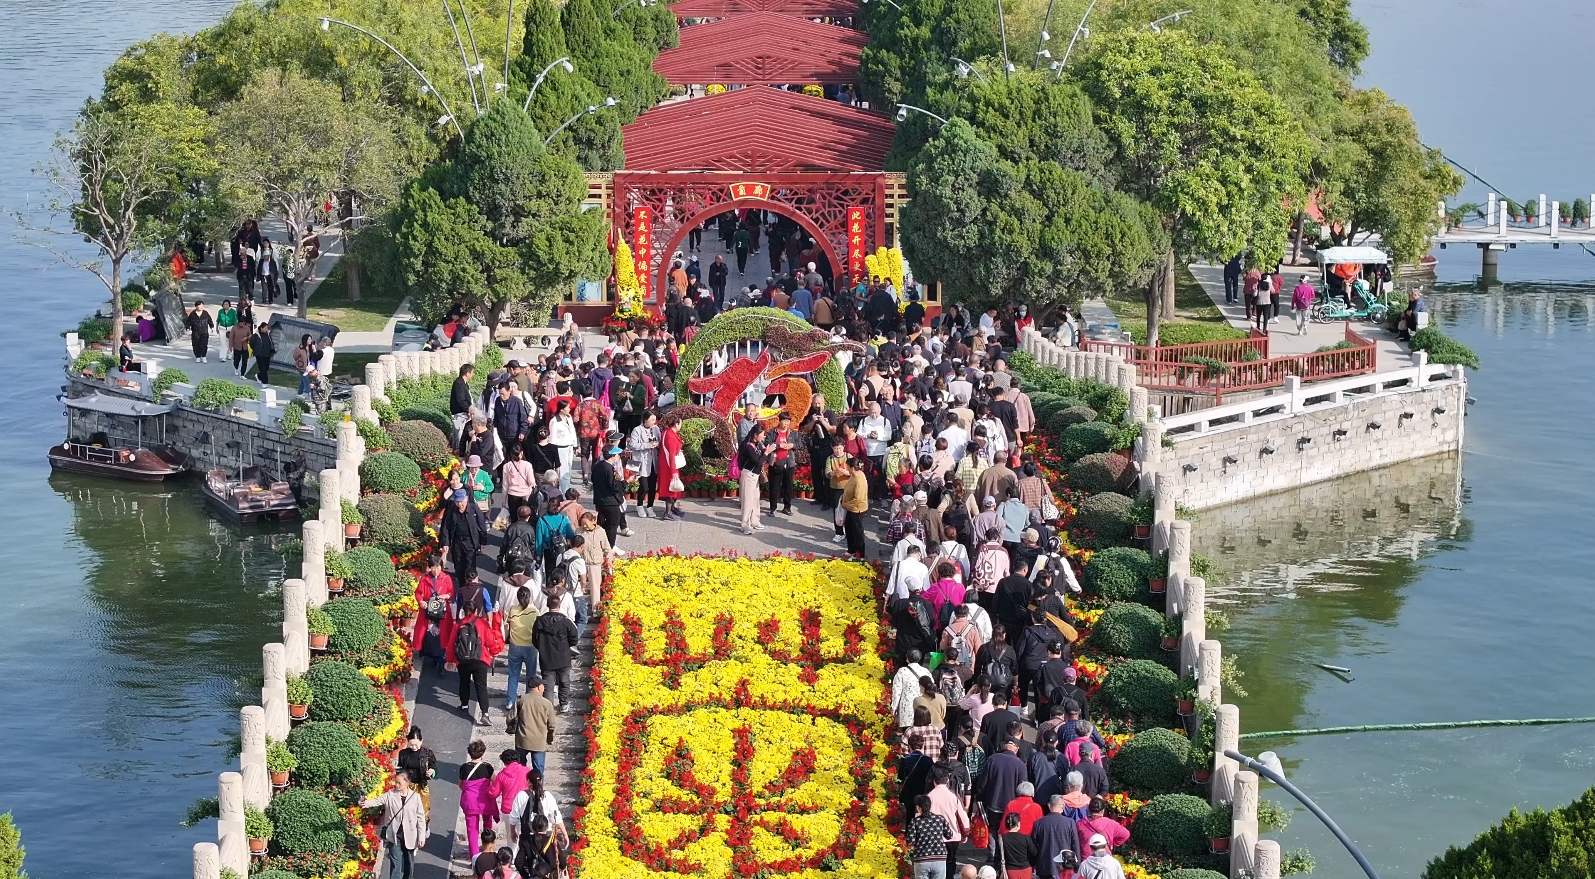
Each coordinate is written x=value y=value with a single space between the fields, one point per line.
x=252 y=761
x=1243 y=834
x=1226 y=736
x=295 y=631
x=1179 y=556
x=1149 y=454
x=1163 y=512
x=230 y=829
x=348 y=438
x=409 y=364
x=313 y=570
x=376 y=380
x=331 y=510
x=1489 y=211
x=390 y=372
x=274 y=693
x=1209 y=661
x=1266 y=860
x=207 y=861
x=360 y=403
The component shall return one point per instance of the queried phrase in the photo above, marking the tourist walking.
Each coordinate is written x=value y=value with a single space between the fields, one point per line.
x=472 y=649
x=199 y=327
x=1265 y=301
x=609 y=493
x=531 y=721
x=741 y=241
x=1301 y=303
x=261 y=346
x=643 y=443
x=418 y=762
x=750 y=462
x=1102 y=864
x=927 y=834
x=238 y=336
x=461 y=533
x=672 y=458
x=304 y=354
x=519 y=617
x=556 y=638
x=855 y=503
x=403 y=827
x=1232 y=279
x=476 y=777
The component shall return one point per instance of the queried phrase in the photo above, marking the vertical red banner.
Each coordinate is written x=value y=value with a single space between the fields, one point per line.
x=642 y=250
x=856 y=250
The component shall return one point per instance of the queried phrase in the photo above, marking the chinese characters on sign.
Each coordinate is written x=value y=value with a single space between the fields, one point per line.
x=855 y=243
x=749 y=190
x=643 y=249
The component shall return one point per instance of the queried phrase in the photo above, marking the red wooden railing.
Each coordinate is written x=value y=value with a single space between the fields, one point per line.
x=1253 y=375
x=1229 y=350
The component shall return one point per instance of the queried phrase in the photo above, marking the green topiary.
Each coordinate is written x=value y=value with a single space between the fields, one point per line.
x=433 y=415
x=370 y=569
x=96 y=363
x=389 y=471
x=293 y=417
x=1443 y=348
x=327 y=753
x=1103 y=471
x=1183 y=873
x=1171 y=825
x=422 y=441
x=305 y=822
x=1140 y=689
x=1063 y=419
x=376 y=438
x=1100 y=521
x=1118 y=573
x=217 y=394
x=342 y=692
x=359 y=625
x=387 y=413
x=1128 y=629
x=94 y=329
x=1153 y=761
x=392 y=522
x=1087 y=439
x=168 y=377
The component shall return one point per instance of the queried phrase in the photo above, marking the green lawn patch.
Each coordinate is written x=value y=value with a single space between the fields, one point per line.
x=330 y=303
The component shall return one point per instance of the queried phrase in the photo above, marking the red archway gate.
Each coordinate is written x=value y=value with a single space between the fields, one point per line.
x=820 y=203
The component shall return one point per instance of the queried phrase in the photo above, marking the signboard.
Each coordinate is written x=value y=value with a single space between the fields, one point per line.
x=287 y=330
x=642 y=250
x=749 y=190
x=856 y=250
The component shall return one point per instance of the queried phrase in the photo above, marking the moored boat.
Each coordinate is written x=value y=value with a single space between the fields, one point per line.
x=249 y=497
x=118 y=457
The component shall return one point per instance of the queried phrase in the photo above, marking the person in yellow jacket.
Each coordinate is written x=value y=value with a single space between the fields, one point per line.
x=855 y=503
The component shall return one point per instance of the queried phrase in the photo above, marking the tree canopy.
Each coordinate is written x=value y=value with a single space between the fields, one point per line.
x=594 y=140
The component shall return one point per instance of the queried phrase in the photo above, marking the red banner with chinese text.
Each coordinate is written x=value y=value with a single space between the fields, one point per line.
x=642 y=250
x=856 y=250
x=749 y=190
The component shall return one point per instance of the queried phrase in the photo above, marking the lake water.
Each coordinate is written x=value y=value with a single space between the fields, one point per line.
x=140 y=618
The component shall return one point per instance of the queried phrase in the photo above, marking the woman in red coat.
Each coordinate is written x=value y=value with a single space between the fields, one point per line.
x=671 y=482
x=434 y=629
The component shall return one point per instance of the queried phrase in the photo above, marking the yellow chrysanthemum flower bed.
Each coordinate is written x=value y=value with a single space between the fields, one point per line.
x=737 y=726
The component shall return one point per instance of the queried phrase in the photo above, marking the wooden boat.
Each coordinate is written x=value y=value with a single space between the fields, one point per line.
x=118 y=457
x=248 y=497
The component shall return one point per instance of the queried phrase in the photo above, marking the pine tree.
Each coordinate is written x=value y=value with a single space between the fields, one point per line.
x=11 y=851
x=593 y=141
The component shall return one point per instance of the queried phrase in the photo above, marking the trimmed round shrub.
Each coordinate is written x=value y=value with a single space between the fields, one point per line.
x=1087 y=439
x=328 y=753
x=387 y=413
x=376 y=438
x=1132 y=630
x=392 y=522
x=1171 y=825
x=304 y=822
x=423 y=438
x=1063 y=419
x=1118 y=573
x=342 y=692
x=1108 y=400
x=1092 y=474
x=1154 y=760
x=1101 y=521
x=1140 y=689
x=389 y=471
x=370 y=568
x=1182 y=873
x=359 y=624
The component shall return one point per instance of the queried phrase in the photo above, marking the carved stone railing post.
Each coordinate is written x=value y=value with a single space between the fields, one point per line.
x=274 y=692
x=252 y=761
x=1209 y=661
x=313 y=568
x=1179 y=557
x=1243 y=833
x=230 y=837
x=1266 y=860
x=331 y=510
x=1226 y=737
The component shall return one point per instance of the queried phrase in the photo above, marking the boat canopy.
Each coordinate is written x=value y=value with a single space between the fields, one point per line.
x=1361 y=254
x=117 y=405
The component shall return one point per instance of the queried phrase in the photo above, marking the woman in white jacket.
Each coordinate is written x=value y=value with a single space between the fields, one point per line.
x=562 y=436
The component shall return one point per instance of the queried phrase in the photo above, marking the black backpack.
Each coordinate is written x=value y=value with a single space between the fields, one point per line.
x=467 y=643
x=999 y=670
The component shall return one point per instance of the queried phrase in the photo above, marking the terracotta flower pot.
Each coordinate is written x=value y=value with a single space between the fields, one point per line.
x=1219 y=845
x=352 y=530
x=257 y=846
x=279 y=779
x=1142 y=532
x=1157 y=586
x=335 y=585
x=1185 y=707
x=319 y=642
x=299 y=712
x=1200 y=776
x=1171 y=643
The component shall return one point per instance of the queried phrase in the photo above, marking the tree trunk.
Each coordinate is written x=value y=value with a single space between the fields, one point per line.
x=351 y=274
x=116 y=302
x=1301 y=232
x=1154 y=293
x=1168 y=289
x=495 y=315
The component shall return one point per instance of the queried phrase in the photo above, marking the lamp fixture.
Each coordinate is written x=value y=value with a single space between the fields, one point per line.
x=1339 y=432
x=1303 y=442
x=1406 y=416
x=1374 y=425
x=1438 y=410
x=326 y=24
x=1189 y=468
x=444 y=120
x=1231 y=459
x=1267 y=450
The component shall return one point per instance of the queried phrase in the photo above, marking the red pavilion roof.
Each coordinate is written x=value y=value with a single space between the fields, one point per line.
x=800 y=8
x=757 y=129
x=763 y=48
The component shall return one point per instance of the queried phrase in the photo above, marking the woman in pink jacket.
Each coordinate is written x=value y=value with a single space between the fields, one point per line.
x=476 y=779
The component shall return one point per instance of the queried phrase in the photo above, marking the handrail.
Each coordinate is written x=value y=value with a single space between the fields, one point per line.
x=1227 y=350
x=1299 y=398
x=1261 y=374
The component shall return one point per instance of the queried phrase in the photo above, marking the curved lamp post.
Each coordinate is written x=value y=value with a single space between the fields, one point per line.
x=591 y=109
x=616 y=10
x=426 y=84
x=1080 y=30
x=1154 y=26
x=902 y=113
x=1271 y=770
x=465 y=61
x=560 y=62
x=887 y=2
x=965 y=69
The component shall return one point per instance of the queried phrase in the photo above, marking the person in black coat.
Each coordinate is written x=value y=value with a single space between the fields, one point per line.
x=460 y=399
x=609 y=493
x=718 y=272
x=995 y=724
x=461 y=533
x=1093 y=778
x=260 y=344
x=999 y=784
x=914 y=618
x=509 y=417
x=1053 y=833
x=555 y=637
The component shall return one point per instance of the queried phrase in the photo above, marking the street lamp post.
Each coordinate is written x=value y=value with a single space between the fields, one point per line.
x=426 y=84
x=902 y=113
x=479 y=66
x=1079 y=31
x=591 y=109
x=1154 y=26
x=887 y=2
x=465 y=60
x=569 y=68
x=965 y=69
x=1271 y=771
x=509 y=25
x=616 y=10
x=1002 y=30
x=1041 y=44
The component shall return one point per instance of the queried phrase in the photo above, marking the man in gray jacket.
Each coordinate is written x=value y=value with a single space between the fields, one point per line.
x=403 y=825
x=532 y=723
x=1101 y=864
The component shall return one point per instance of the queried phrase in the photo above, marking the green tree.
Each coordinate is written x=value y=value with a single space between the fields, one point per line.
x=1202 y=142
x=117 y=178
x=612 y=57
x=347 y=149
x=1344 y=36
x=1377 y=178
x=593 y=140
x=911 y=49
x=11 y=850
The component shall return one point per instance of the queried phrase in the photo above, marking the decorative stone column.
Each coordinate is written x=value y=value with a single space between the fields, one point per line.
x=252 y=761
x=1193 y=626
x=1139 y=402
x=1129 y=381
x=313 y=569
x=274 y=693
x=1243 y=833
x=429 y=363
x=349 y=437
x=1210 y=659
x=1163 y=512
x=295 y=631
x=1266 y=860
x=360 y=401
x=331 y=511
x=207 y=861
x=230 y=829
x=376 y=380
x=409 y=364
x=1179 y=557
x=1226 y=736
x=390 y=372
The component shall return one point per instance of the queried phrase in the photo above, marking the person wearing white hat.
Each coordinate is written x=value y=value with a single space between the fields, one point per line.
x=1101 y=864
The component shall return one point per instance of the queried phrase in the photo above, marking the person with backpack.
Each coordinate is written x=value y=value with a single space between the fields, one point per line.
x=914 y=618
x=476 y=641
x=1035 y=643
x=434 y=595
x=519 y=617
x=520 y=540
x=556 y=639
x=553 y=537
x=998 y=662
x=592 y=419
x=961 y=643
x=570 y=574
x=541 y=854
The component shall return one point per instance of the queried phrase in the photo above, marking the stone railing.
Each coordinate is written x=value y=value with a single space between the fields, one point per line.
x=269 y=721
x=1109 y=369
